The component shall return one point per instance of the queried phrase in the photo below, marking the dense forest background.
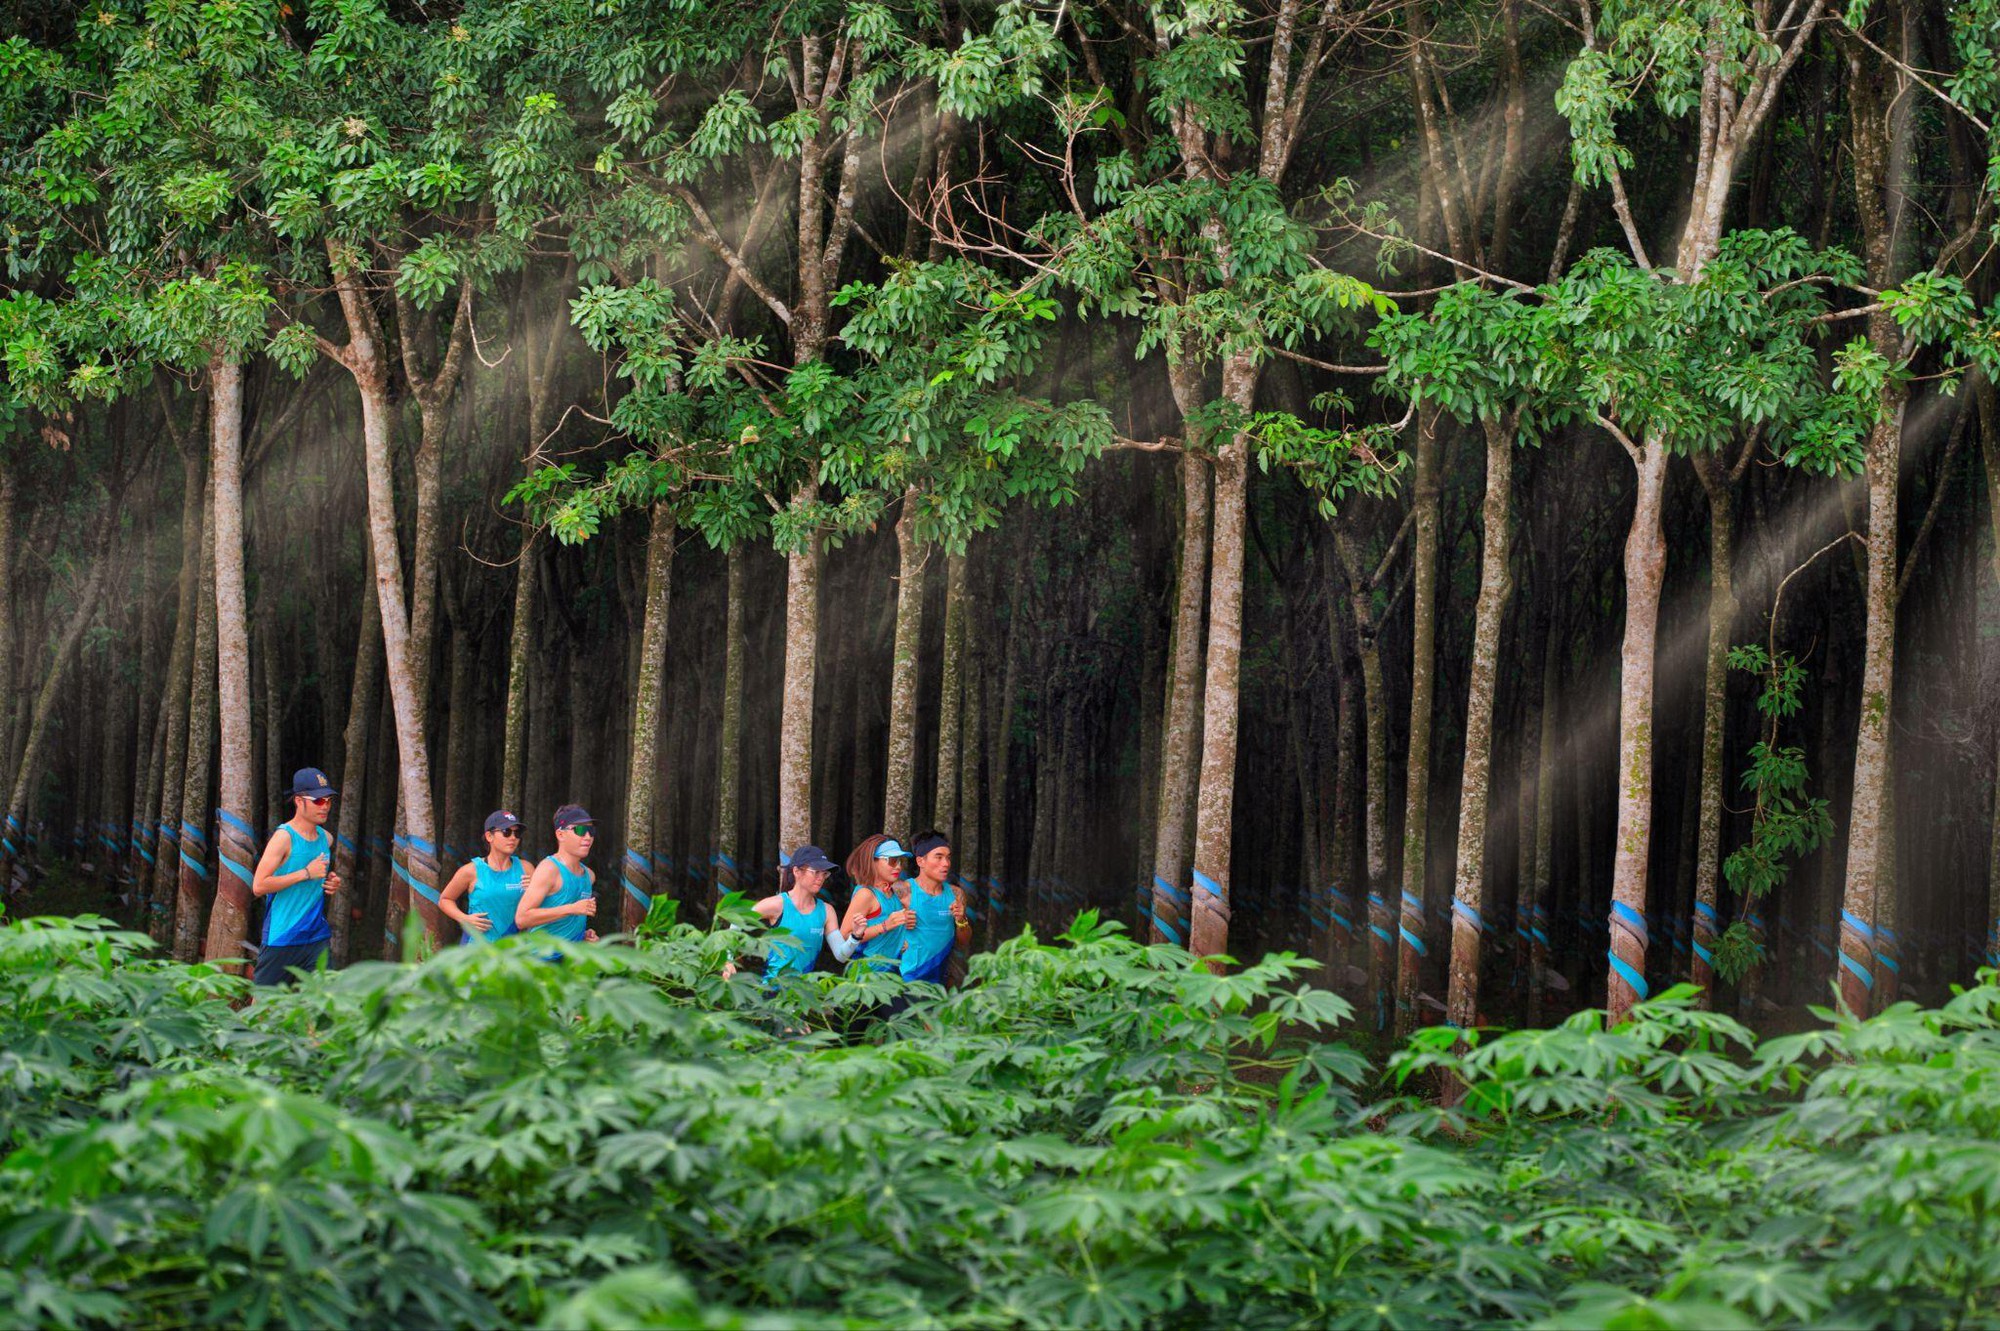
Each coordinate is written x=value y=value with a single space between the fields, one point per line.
x=1497 y=497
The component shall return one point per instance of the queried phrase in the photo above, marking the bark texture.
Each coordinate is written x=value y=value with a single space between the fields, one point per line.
x=1468 y=923
x=1208 y=930
x=236 y=839
x=1411 y=950
x=648 y=710
x=1645 y=571
x=900 y=779
x=1179 y=751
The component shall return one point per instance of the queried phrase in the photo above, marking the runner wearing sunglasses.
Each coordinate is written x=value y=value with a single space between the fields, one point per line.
x=561 y=896
x=296 y=873
x=496 y=882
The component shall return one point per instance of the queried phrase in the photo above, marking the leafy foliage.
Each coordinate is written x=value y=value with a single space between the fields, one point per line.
x=1093 y=1132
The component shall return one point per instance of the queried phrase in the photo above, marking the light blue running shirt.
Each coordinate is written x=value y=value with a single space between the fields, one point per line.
x=884 y=952
x=496 y=894
x=296 y=916
x=933 y=935
x=572 y=888
x=799 y=953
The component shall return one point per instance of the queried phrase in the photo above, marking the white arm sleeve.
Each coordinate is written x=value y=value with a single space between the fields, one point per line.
x=843 y=946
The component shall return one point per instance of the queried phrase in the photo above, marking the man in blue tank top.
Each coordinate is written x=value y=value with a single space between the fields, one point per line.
x=296 y=873
x=561 y=896
x=495 y=882
x=939 y=905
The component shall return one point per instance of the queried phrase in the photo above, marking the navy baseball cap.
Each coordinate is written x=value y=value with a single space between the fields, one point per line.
x=500 y=819
x=811 y=857
x=570 y=815
x=311 y=783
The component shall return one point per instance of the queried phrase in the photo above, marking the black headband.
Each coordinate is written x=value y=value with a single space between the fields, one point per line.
x=927 y=843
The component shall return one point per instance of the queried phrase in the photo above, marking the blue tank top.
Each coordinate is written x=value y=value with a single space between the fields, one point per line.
x=296 y=916
x=885 y=951
x=799 y=953
x=572 y=887
x=496 y=894
x=931 y=937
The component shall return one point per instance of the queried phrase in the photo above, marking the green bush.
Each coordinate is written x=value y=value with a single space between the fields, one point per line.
x=1093 y=1133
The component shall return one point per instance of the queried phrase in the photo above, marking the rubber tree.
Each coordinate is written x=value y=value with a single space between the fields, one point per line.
x=1476 y=356
x=1217 y=297
x=1727 y=62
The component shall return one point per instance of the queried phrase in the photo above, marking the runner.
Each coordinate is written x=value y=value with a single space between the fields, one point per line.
x=939 y=906
x=296 y=873
x=496 y=882
x=878 y=915
x=560 y=898
x=798 y=910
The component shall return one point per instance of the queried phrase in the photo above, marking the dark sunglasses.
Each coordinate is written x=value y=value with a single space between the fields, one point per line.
x=507 y=831
x=581 y=829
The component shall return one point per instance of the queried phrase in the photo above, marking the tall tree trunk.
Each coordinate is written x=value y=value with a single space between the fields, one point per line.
x=795 y=726
x=1867 y=864
x=1645 y=570
x=1720 y=488
x=236 y=839
x=1179 y=752
x=900 y=781
x=364 y=702
x=1208 y=930
x=951 y=700
x=1468 y=901
x=415 y=851
x=648 y=697
x=193 y=883
x=1424 y=494
x=520 y=656
x=179 y=695
x=729 y=763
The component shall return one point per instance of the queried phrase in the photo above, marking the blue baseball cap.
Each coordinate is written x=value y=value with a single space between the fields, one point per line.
x=811 y=857
x=311 y=783
x=499 y=819
x=891 y=849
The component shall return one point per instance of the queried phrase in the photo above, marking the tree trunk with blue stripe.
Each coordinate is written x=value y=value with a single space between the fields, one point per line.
x=1645 y=570
x=1215 y=806
x=192 y=875
x=414 y=861
x=635 y=872
x=235 y=837
x=1875 y=195
x=13 y=841
x=1469 y=898
x=1721 y=490
x=1179 y=752
x=165 y=887
x=1411 y=949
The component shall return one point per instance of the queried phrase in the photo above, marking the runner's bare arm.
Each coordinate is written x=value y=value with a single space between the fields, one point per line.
x=460 y=884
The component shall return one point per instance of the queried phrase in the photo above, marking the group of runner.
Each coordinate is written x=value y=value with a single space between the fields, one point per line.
x=908 y=921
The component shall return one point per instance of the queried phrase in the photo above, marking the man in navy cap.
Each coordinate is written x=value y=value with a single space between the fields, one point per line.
x=296 y=873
